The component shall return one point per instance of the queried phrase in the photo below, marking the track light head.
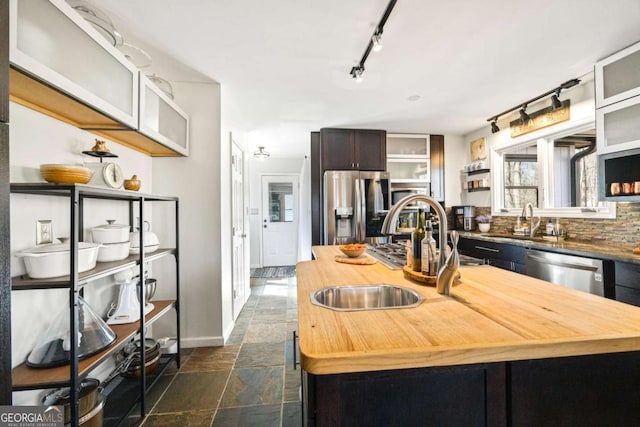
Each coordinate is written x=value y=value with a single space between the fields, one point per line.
x=376 y=39
x=523 y=114
x=494 y=126
x=555 y=101
x=356 y=73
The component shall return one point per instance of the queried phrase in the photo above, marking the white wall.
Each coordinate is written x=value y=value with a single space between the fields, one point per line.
x=197 y=181
x=454 y=160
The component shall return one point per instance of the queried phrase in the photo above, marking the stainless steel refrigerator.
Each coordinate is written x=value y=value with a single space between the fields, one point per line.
x=355 y=205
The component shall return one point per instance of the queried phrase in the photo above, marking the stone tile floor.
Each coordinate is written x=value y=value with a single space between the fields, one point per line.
x=248 y=382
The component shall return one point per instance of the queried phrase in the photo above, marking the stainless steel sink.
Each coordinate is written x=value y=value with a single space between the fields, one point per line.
x=366 y=297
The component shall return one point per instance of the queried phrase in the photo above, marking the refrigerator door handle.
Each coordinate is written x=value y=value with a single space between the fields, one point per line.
x=357 y=208
x=361 y=231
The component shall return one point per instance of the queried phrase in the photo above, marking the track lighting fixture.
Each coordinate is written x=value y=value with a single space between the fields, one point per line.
x=375 y=43
x=261 y=154
x=555 y=104
x=523 y=114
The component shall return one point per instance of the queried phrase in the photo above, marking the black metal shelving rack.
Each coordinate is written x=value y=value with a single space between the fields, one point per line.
x=77 y=193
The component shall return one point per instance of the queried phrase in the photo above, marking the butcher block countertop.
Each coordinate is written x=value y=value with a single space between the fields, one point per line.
x=493 y=315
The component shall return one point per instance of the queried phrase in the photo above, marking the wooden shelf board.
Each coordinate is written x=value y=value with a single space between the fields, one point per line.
x=471 y=190
x=102 y=269
x=135 y=141
x=27 y=378
x=477 y=171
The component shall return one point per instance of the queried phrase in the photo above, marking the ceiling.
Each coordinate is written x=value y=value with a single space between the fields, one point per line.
x=283 y=65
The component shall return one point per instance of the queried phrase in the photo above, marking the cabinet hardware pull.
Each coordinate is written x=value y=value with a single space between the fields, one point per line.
x=487 y=249
x=295 y=357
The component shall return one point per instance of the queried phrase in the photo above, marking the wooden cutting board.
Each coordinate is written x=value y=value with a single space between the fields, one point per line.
x=418 y=276
x=361 y=260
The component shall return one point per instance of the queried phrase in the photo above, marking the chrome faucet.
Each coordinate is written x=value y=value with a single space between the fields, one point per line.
x=448 y=270
x=533 y=227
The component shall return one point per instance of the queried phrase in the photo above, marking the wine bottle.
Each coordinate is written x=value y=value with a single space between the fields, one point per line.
x=429 y=254
x=416 y=242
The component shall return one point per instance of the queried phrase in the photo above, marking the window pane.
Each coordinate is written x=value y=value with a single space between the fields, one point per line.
x=521 y=179
x=575 y=171
x=281 y=202
x=518 y=197
x=520 y=171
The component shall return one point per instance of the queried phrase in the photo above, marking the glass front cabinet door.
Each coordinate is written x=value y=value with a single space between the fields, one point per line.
x=617 y=77
x=51 y=42
x=161 y=119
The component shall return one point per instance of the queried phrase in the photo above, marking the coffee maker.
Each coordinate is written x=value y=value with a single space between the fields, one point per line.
x=464 y=217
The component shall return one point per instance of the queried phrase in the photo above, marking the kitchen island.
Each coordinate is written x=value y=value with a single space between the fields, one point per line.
x=503 y=349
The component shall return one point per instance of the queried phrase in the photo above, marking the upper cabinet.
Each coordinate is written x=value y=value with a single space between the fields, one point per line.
x=51 y=42
x=353 y=149
x=618 y=76
x=436 y=159
x=161 y=119
x=61 y=66
x=408 y=159
x=617 y=84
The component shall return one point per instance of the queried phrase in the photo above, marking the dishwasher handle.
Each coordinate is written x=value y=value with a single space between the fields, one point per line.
x=562 y=264
x=484 y=248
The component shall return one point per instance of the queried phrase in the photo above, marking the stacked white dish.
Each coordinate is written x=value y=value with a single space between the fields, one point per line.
x=150 y=244
x=52 y=260
x=114 y=239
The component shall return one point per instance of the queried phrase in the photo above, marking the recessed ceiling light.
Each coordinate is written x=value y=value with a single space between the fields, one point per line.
x=413 y=98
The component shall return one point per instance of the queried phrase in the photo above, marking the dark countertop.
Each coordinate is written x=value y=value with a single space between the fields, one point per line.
x=584 y=248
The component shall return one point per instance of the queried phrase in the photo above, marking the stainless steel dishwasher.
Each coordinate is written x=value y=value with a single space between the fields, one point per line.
x=583 y=274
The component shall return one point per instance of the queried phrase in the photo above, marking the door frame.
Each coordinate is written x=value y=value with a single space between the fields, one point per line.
x=262 y=214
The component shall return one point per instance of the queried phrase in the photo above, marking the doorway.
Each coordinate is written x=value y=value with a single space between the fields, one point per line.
x=238 y=275
x=280 y=216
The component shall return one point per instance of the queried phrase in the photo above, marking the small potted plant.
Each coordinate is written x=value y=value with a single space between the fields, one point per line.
x=484 y=223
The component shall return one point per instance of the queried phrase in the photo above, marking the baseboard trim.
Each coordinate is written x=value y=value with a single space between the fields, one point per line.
x=202 y=342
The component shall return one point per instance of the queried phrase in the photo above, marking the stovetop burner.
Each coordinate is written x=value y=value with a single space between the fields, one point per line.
x=394 y=255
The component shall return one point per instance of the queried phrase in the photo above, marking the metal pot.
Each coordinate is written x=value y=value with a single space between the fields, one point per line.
x=52 y=260
x=113 y=251
x=94 y=418
x=151 y=242
x=87 y=398
x=110 y=232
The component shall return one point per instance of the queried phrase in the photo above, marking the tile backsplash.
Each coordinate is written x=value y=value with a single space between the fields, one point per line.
x=623 y=230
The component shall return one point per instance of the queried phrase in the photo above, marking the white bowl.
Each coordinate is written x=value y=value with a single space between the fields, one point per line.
x=484 y=227
x=113 y=251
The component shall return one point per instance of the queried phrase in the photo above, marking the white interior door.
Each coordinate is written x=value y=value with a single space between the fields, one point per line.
x=239 y=234
x=280 y=207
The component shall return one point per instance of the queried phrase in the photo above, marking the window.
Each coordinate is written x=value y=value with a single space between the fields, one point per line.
x=520 y=180
x=281 y=201
x=556 y=173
